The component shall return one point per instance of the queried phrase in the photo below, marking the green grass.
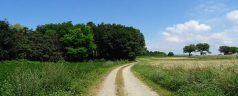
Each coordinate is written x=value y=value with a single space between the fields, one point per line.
x=28 y=78
x=197 y=81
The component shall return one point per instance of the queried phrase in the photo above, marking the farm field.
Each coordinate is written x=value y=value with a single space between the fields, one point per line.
x=31 y=78
x=190 y=76
x=119 y=48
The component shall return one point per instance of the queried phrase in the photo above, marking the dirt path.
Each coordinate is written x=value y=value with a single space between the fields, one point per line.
x=133 y=86
x=122 y=82
x=108 y=87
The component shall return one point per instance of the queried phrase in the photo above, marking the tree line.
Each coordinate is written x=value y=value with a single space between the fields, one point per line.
x=71 y=42
x=156 y=53
x=228 y=50
x=203 y=48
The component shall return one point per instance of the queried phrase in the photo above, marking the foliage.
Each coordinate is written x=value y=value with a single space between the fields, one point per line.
x=201 y=47
x=170 y=54
x=189 y=49
x=79 y=42
x=227 y=50
x=117 y=41
x=40 y=47
x=155 y=53
x=7 y=47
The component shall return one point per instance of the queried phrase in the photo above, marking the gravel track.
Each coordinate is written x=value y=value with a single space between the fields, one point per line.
x=132 y=86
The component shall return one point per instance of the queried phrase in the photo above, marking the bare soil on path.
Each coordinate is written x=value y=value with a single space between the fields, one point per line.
x=126 y=85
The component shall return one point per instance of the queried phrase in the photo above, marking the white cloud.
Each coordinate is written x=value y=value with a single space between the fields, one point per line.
x=233 y=16
x=186 y=31
x=209 y=9
x=214 y=23
x=190 y=26
x=192 y=32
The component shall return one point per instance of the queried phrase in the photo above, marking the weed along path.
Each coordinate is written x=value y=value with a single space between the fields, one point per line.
x=122 y=82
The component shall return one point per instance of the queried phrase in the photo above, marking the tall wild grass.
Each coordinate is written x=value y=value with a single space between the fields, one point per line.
x=200 y=81
x=27 y=78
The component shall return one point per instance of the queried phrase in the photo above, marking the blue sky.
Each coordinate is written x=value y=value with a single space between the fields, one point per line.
x=167 y=25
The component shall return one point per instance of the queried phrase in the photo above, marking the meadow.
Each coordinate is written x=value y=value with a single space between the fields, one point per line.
x=31 y=78
x=190 y=76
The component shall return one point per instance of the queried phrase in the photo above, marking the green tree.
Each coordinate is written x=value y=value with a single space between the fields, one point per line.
x=203 y=48
x=224 y=49
x=40 y=47
x=227 y=50
x=118 y=42
x=7 y=47
x=233 y=50
x=189 y=49
x=21 y=40
x=57 y=32
x=79 y=42
x=170 y=54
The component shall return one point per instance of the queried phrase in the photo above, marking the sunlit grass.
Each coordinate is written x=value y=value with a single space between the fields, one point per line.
x=27 y=78
x=215 y=77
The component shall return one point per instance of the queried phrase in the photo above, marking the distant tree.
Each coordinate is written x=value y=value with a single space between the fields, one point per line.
x=227 y=50
x=155 y=53
x=203 y=48
x=189 y=49
x=233 y=50
x=224 y=49
x=144 y=52
x=7 y=45
x=170 y=54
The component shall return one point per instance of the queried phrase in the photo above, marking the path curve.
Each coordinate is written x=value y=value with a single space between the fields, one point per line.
x=135 y=87
x=132 y=85
x=108 y=87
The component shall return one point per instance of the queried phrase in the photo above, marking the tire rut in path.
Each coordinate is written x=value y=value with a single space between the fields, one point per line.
x=134 y=86
x=122 y=82
x=108 y=87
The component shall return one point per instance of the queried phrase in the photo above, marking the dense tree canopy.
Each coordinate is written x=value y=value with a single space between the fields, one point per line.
x=79 y=42
x=227 y=50
x=203 y=48
x=170 y=54
x=7 y=47
x=53 y=42
x=189 y=49
x=154 y=53
x=117 y=41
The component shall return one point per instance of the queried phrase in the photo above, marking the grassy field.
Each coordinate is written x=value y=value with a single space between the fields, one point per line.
x=186 y=76
x=28 y=78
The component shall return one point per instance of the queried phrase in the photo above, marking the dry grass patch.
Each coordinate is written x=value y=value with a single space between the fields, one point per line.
x=193 y=64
